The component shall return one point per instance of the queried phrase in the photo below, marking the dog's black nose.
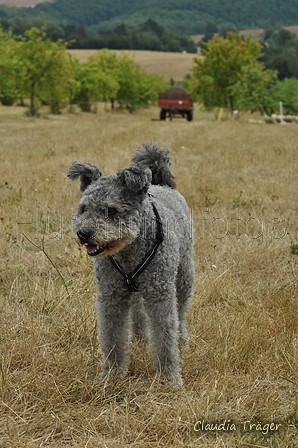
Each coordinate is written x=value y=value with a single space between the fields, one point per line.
x=84 y=235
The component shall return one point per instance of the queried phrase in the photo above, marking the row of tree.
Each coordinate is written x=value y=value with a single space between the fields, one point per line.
x=231 y=75
x=150 y=36
x=184 y=16
x=33 y=66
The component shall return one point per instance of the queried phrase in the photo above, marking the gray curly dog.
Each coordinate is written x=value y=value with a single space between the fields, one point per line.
x=138 y=231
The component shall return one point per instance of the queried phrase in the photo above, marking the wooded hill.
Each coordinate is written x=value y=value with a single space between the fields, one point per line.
x=182 y=16
x=150 y=36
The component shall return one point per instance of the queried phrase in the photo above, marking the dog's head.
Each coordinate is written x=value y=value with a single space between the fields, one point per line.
x=108 y=215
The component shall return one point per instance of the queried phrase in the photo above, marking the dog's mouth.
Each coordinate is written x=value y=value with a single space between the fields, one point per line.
x=103 y=249
x=95 y=249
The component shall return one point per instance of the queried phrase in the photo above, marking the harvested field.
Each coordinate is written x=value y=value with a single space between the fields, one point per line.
x=168 y=65
x=257 y=32
x=241 y=181
x=29 y=3
x=293 y=29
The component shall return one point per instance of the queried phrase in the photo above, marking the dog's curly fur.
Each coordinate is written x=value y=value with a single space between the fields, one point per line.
x=115 y=217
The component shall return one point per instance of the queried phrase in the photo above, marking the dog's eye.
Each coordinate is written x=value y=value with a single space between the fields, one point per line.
x=84 y=208
x=111 y=211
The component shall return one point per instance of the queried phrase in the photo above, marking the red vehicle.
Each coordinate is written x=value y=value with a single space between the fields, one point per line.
x=173 y=101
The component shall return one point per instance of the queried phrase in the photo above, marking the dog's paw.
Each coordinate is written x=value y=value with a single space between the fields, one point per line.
x=174 y=379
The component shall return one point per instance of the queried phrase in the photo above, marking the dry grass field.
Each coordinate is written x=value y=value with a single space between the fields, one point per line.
x=241 y=181
x=31 y=3
x=168 y=65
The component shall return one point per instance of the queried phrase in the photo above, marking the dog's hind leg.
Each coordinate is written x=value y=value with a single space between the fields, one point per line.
x=113 y=319
x=184 y=283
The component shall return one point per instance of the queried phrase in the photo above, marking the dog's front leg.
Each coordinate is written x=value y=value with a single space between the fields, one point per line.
x=161 y=307
x=113 y=319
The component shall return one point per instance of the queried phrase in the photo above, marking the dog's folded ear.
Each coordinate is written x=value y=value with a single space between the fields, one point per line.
x=85 y=171
x=135 y=179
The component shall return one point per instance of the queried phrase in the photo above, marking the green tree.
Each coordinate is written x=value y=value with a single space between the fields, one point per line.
x=73 y=83
x=127 y=93
x=254 y=90
x=149 y=86
x=281 y=52
x=190 y=85
x=97 y=79
x=9 y=74
x=287 y=92
x=86 y=91
x=89 y=80
x=136 y=86
x=106 y=64
x=225 y=65
x=38 y=59
x=56 y=84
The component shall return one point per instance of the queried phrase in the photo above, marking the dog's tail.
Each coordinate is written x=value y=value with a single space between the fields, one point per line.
x=150 y=155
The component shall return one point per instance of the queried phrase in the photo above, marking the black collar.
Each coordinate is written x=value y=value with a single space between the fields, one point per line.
x=129 y=279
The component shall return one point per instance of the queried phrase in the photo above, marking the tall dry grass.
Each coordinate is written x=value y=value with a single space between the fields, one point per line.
x=242 y=360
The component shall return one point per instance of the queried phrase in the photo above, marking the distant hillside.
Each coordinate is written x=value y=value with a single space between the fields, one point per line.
x=182 y=16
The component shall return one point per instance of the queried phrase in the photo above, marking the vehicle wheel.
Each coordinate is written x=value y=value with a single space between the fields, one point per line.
x=162 y=115
x=189 y=115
